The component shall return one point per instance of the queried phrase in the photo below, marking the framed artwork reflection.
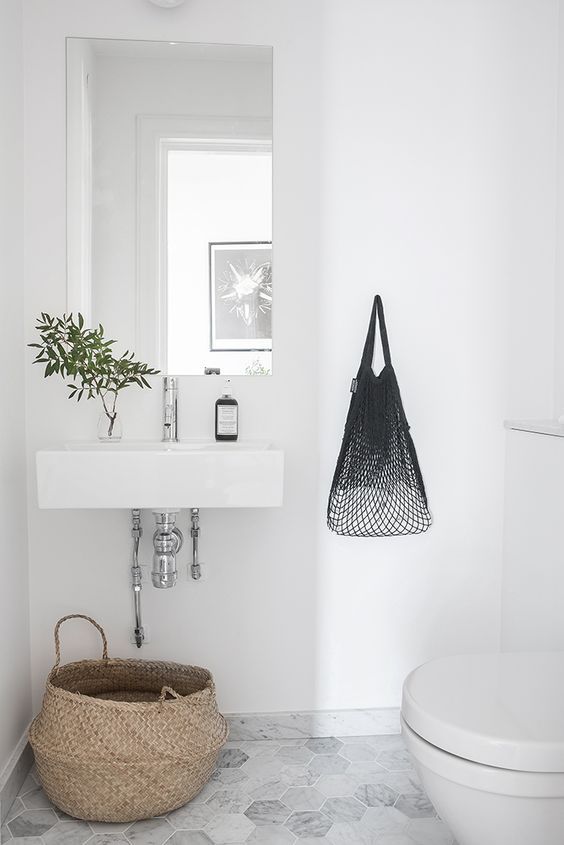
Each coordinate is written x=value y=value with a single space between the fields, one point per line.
x=240 y=296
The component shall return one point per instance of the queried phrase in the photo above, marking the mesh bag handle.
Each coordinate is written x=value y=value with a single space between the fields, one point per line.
x=368 y=351
x=58 y=641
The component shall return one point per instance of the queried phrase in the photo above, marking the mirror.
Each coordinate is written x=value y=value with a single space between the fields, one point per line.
x=169 y=200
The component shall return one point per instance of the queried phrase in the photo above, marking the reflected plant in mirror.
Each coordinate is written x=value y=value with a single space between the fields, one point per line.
x=169 y=197
x=256 y=369
x=71 y=350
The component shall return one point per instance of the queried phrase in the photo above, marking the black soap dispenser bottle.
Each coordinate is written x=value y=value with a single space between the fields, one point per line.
x=226 y=415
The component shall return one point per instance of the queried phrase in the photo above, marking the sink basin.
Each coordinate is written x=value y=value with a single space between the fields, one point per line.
x=161 y=476
x=180 y=446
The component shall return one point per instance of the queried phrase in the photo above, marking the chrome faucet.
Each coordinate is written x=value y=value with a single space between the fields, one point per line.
x=170 y=409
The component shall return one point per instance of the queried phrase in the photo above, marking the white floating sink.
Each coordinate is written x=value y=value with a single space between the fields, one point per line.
x=161 y=476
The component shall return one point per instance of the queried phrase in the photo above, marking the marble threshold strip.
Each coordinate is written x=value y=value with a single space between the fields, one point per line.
x=315 y=723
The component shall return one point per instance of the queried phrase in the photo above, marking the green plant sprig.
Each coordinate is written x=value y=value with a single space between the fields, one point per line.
x=70 y=350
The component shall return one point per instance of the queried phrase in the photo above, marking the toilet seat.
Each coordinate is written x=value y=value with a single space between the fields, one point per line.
x=501 y=710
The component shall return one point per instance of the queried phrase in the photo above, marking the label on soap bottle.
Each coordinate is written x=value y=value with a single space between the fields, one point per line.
x=227 y=419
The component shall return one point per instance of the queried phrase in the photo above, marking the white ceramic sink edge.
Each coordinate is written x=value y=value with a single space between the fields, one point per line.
x=193 y=445
x=130 y=474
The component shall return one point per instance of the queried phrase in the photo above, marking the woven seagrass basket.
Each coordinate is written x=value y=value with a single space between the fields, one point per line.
x=111 y=747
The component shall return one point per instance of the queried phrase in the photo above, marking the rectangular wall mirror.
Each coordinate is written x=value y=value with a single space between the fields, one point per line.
x=169 y=200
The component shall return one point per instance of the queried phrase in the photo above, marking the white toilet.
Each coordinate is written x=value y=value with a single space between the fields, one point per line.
x=486 y=732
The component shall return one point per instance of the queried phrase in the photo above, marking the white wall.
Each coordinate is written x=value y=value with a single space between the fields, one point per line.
x=425 y=132
x=254 y=621
x=437 y=190
x=558 y=301
x=15 y=696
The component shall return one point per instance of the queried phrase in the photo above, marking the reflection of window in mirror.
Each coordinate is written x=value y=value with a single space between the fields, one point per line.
x=219 y=229
x=205 y=251
x=170 y=200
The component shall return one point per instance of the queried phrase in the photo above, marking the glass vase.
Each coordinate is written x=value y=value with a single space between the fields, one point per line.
x=109 y=427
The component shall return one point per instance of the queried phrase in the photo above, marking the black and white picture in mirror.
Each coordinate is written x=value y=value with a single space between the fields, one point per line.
x=241 y=296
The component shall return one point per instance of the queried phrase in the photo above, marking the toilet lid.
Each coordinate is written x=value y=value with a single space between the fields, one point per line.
x=504 y=710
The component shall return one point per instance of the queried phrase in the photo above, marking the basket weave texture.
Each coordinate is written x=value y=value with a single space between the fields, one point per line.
x=111 y=747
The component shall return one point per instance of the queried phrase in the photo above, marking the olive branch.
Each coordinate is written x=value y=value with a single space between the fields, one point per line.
x=72 y=351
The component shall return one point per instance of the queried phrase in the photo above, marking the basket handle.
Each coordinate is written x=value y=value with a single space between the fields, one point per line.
x=58 y=642
x=168 y=691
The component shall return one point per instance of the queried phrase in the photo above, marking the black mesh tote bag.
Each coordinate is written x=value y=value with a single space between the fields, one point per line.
x=377 y=488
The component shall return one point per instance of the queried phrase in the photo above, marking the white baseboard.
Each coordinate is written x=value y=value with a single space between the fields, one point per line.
x=14 y=774
x=249 y=726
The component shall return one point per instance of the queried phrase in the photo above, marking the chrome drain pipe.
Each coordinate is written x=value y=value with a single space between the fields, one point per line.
x=195 y=569
x=167 y=542
x=136 y=532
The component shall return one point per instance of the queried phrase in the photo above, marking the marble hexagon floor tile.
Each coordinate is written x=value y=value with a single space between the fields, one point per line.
x=263 y=767
x=68 y=833
x=229 y=776
x=188 y=837
x=16 y=808
x=295 y=754
x=191 y=816
x=267 y=812
x=309 y=823
x=324 y=745
x=369 y=771
x=299 y=791
x=395 y=760
x=303 y=798
x=229 y=828
x=415 y=806
x=350 y=833
x=36 y=800
x=149 y=832
x=404 y=783
x=299 y=776
x=381 y=820
x=231 y=758
x=261 y=747
x=376 y=795
x=233 y=799
x=329 y=764
x=312 y=840
x=343 y=809
x=271 y=834
x=268 y=790
x=357 y=751
x=338 y=786
x=32 y=823
x=25 y=840
x=429 y=832
x=109 y=827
